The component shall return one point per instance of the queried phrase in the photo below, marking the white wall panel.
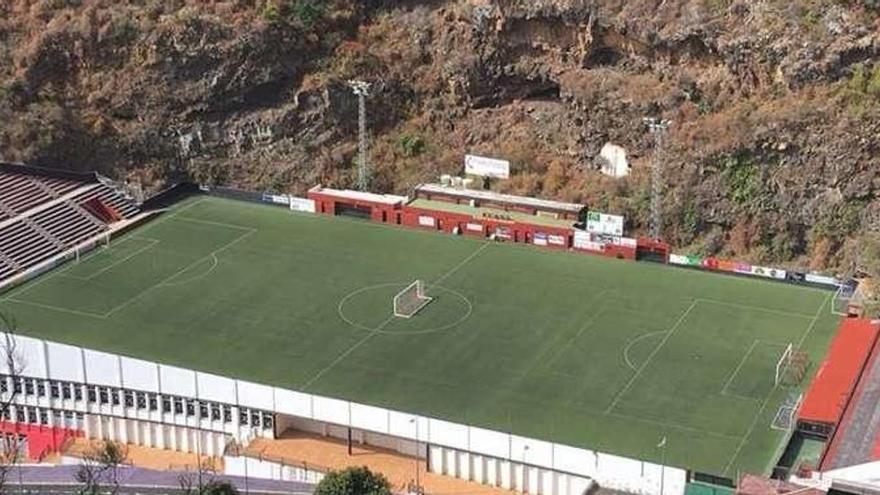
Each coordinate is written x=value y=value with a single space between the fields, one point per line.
x=369 y=418
x=255 y=395
x=490 y=442
x=177 y=381
x=448 y=434
x=619 y=472
x=140 y=375
x=574 y=460
x=294 y=403
x=29 y=354
x=216 y=388
x=331 y=410
x=404 y=425
x=102 y=368
x=65 y=362
x=530 y=451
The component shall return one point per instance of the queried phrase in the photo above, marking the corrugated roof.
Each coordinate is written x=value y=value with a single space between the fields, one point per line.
x=500 y=198
x=388 y=199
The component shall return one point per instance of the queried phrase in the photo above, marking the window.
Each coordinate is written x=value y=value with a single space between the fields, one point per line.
x=57 y=418
x=227 y=413
x=41 y=388
x=154 y=403
x=66 y=391
x=141 y=400
x=203 y=410
x=190 y=407
x=267 y=421
x=243 y=416
x=104 y=395
x=4 y=386
x=54 y=390
x=129 y=398
x=19 y=414
x=114 y=396
x=166 y=404
x=92 y=393
x=77 y=393
x=255 y=418
x=215 y=412
x=16 y=386
x=178 y=405
x=28 y=386
x=44 y=417
x=31 y=415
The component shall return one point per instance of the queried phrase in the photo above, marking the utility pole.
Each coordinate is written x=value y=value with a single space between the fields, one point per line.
x=362 y=90
x=658 y=128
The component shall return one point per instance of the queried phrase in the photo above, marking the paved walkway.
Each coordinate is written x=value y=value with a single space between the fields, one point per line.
x=860 y=429
x=299 y=448
x=65 y=476
x=151 y=458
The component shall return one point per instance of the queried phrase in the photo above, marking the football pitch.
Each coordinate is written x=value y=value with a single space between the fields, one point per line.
x=587 y=351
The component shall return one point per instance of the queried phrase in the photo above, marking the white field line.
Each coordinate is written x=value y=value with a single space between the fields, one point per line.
x=56 y=308
x=138 y=251
x=461 y=264
x=745 y=437
x=674 y=426
x=378 y=329
x=182 y=270
x=755 y=308
x=216 y=224
x=644 y=365
x=739 y=367
x=633 y=342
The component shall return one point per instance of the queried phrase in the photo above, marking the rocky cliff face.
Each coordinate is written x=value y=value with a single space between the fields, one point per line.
x=771 y=155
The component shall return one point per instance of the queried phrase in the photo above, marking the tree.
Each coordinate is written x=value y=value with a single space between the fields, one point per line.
x=100 y=466
x=353 y=481
x=13 y=366
x=868 y=262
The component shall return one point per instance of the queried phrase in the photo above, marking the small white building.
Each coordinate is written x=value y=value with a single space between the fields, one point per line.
x=614 y=162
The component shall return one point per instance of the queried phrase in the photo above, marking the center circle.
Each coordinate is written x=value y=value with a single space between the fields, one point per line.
x=370 y=309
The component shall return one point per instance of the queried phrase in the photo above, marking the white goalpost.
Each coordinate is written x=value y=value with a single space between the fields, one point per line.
x=411 y=300
x=783 y=363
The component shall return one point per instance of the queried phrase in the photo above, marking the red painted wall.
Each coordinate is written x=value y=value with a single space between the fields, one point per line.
x=41 y=439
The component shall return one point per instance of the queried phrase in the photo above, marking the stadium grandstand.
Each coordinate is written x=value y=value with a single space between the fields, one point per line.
x=45 y=215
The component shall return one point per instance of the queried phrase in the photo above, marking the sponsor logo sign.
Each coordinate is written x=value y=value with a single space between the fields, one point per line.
x=302 y=204
x=677 y=259
x=556 y=240
x=540 y=239
x=821 y=279
x=486 y=167
x=601 y=223
x=762 y=271
x=474 y=227
x=426 y=221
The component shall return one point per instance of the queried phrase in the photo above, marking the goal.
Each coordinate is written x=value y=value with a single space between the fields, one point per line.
x=791 y=367
x=411 y=300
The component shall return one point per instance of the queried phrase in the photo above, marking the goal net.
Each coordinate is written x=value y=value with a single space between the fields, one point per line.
x=791 y=367
x=847 y=299
x=411 y=300
x=786 y=415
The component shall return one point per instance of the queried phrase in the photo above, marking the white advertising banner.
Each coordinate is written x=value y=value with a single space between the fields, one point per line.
x=557 y=240
x=821 y=279
x=486 y=167
x=677 y=259
x=302 y=204
x=475 y=227
x=426 y=221
x=762 y=271
x=601 y=223
x=540 y=239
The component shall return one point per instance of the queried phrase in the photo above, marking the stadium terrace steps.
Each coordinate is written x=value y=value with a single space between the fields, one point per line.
x=42 y=217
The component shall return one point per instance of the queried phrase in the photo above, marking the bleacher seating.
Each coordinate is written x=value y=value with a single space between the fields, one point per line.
x=43 y=216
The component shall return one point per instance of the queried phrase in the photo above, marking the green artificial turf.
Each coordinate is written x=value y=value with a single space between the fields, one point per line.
x=582 y=350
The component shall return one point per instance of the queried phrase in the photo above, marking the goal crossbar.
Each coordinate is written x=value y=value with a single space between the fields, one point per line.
x=783 y=364
x=411 y=300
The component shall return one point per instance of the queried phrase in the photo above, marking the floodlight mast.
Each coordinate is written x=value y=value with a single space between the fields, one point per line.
x=362 y=90
x=658 y=128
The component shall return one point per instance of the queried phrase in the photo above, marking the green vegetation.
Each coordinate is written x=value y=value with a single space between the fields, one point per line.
x=411 y=145
x=353 y=481
x=583 y=350
x=743 y=178
x=302 y=13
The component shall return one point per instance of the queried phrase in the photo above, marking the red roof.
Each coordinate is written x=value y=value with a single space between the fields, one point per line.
x=837 y=376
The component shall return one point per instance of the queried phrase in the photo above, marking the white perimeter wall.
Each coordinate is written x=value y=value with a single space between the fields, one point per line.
x=44 y=359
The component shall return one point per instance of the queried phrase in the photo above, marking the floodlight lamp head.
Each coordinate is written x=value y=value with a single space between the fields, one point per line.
x=360 y=88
